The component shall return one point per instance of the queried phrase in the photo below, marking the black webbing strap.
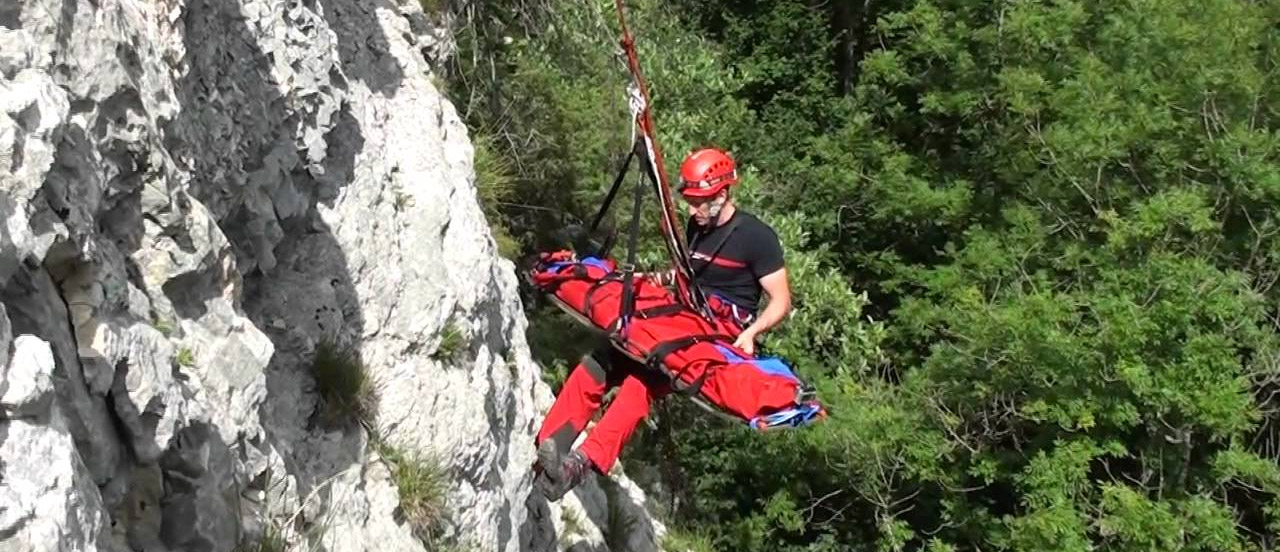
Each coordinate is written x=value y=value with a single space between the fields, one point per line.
x=613 y=192
x=661 y=350
x=693 y=247
x=629 y=271
x=591 y=291
x=662 y=310
x=607 y=246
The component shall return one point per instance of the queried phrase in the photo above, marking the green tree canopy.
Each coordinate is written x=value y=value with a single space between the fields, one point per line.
x=1034 y=247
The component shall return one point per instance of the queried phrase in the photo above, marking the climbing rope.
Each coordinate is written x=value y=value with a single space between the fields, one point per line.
x=645 y=139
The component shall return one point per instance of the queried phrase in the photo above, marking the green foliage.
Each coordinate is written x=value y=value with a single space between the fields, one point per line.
x=346 y=393
x=1246 y=469
x=433 y=6
x=453 y=342
x=423 y=486
x=557 y=342
x=164 y=326
x=186 y=358
x=1033 y=245
x=495 y=187
x=682 y=540
x=826 y=333
x=271 y=540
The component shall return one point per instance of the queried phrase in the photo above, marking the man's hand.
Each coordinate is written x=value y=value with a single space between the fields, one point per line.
x=779 y=291
x=746 y=341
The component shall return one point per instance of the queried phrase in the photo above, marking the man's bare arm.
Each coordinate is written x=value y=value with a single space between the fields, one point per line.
x=778 y=288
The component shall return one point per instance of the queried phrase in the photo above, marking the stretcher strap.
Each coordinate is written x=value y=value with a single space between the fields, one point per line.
x=552 y=285
x=662 y=350
x=587 y=303
x=662 y=310
x=628 y=305
x=607 y=247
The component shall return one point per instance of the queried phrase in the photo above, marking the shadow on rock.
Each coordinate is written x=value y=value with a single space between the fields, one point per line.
x=11 y=15
x=35 y=306
x=538 y=534
x=250 y=168
x=362 y=47
x=201 y=488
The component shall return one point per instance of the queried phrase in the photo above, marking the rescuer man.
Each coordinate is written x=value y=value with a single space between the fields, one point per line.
x=736 y=258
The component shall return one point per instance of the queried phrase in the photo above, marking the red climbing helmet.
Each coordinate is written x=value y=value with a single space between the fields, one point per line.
x=707 y=171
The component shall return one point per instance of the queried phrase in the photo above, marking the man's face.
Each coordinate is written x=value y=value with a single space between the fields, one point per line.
x=699 y=208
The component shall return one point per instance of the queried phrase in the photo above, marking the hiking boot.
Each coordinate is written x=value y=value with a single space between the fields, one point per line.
x=561 y=474
x=548 y=459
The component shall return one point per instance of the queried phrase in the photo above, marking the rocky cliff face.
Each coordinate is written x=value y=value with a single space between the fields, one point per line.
x=195 y=196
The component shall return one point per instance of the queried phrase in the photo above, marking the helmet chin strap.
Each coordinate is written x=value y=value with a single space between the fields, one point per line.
x=714 y=209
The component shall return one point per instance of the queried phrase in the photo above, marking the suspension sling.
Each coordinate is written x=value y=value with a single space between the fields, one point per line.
x=628 y=306
x=655 y=169
x=603 y=250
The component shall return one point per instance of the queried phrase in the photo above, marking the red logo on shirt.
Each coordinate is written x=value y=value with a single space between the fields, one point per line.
x=718 y=261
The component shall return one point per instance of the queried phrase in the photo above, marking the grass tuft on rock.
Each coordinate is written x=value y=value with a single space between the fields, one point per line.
x=346 y=392
x=453 y=342
x=271 y=540
x=423 y=483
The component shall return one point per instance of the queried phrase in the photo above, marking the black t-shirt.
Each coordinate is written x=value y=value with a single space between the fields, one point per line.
x=731 y=258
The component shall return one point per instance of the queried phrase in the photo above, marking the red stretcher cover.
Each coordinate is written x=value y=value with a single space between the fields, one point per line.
x=697 y=354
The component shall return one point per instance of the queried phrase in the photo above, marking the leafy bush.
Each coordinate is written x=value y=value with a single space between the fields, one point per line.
x=433 y=6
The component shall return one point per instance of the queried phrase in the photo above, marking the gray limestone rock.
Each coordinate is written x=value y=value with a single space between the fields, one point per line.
x=6 y=341
x=194 y=196
x=27 y=382
x=48 y=500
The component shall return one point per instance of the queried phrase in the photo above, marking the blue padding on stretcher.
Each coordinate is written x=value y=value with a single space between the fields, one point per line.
x=768 y=365
x=794 y=417
x=589 y=261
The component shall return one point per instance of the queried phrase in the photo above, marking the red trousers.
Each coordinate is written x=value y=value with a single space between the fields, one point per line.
x=581 y=397
x=638 y=387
